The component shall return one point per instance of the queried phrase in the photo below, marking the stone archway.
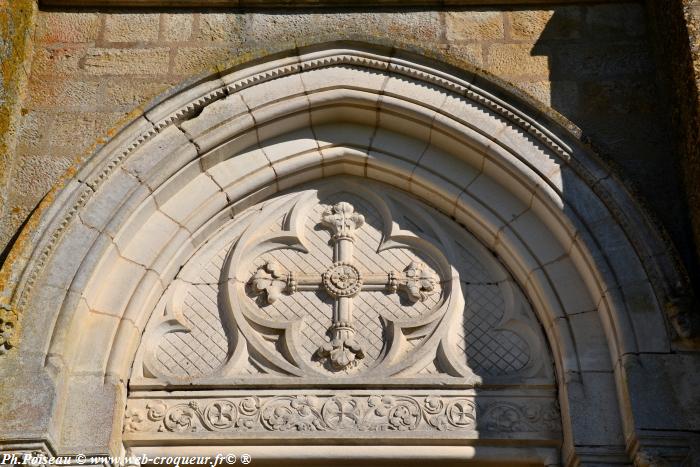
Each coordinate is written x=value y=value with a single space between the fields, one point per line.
x=108 y=251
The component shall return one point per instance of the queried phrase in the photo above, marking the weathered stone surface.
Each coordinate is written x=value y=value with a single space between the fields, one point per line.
x=176 y=27
x=516 y=60
x=53 y=60
x=60 y=27
x=16 y=34
x=535 y=25
x=115 y=61
x=591 y=62
x=469 y=53
x=196 y=60
x=219 y=27
x=131 y=27
x=474 y=25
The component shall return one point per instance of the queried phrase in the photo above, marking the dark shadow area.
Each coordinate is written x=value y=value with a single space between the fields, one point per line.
x=604 y=79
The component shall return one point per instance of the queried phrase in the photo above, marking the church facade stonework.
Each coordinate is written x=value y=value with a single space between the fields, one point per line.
x=346 y=252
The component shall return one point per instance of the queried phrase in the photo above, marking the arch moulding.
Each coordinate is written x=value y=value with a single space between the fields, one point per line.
x=99 y=262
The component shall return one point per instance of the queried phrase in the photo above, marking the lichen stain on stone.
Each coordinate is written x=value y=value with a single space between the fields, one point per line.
x=16 y=23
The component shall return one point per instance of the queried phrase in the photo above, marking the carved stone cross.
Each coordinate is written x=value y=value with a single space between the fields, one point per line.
x=343 y=281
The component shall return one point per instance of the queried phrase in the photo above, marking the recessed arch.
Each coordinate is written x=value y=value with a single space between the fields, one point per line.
x=106 y=250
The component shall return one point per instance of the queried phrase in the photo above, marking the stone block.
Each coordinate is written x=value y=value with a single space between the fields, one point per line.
x=616 y=21
x=597 y=62
x=393 y=127
x=590 y=341
x=108 y=198
x=469 y=53
x=299 y=169
x=560 y=95
x=656 y=404
x=289 y=145
x=176 y=27
x=193 y=60
x=567 y=283
x=352 y=78
x=145 y=244
x=515 y=60
x=161 y=157
x=60 y=60
x=417 y=27
x=457 y=171
x=565 y=22
x=474 y=25
x=391 y=169
x=496 y=198
x=97 y=331
x=233 y=169
x=189 y=198
x=399 y=145
x=344 y=134
x=119 y=280
x=33 y=393
x=647 y=317
x=220 y=27
x=214 y=115
x=434 y=190
x=538 y=237
x=66 y=94
x=152 y=61
x=127 y=94
x=67 y=259
x=37 y=171
x=62 y=26
x=131 y=27
x=39 y=320
x=594 y=410
x=92 y=404
x=618 y=96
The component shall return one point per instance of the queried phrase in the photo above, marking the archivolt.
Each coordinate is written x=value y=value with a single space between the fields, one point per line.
x=569 y=232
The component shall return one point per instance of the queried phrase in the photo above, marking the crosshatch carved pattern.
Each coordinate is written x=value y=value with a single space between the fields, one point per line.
x=491 y=351
x=204 y=348
x=342 y=412
x=286 y=285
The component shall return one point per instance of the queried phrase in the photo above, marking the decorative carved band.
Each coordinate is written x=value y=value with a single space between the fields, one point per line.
x=341 y=413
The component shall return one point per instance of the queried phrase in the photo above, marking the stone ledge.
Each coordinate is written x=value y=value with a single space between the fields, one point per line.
x=306 y=3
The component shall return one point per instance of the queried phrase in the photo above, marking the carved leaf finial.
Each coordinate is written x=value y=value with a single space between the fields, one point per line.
x=342 y=350
x=342 y=220
x=270 y=279
x=419 y=282
x=7 y=327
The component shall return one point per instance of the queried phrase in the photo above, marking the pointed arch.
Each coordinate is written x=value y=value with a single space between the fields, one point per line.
x=595 y=270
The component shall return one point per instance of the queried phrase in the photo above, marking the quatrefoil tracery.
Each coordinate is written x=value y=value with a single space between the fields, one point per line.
x=342 y=281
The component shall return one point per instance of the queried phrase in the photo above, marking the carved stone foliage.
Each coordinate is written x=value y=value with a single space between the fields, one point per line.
x=341 y=413
x=342 y=280
x=7 y=326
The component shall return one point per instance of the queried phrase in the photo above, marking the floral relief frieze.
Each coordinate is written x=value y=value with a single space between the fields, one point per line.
x=340 y=413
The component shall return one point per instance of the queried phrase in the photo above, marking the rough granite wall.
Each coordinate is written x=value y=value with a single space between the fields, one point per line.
x=16 y=27
x=593 y=63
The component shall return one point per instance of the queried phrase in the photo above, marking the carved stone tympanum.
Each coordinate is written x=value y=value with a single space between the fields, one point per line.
x=296 y=309
x=344 y=280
